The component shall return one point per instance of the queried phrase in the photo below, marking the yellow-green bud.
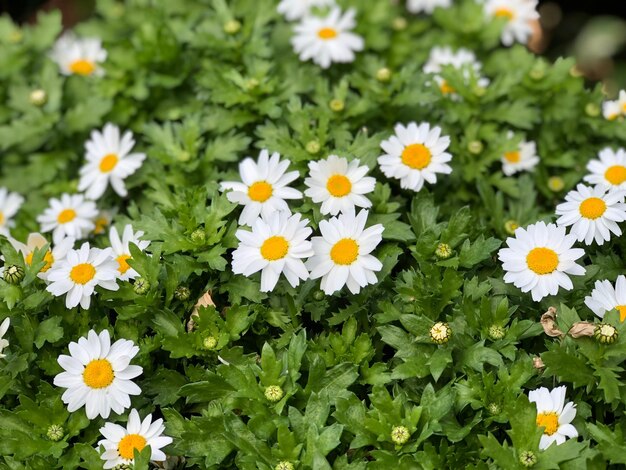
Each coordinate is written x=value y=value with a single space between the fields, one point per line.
x=475 y=147
x=13 y=274
x=400 y=435
x=383 y=75
x=274 y=393
x=537 y=73
x=210 y=342
x=496 y=332
x=556 y=184
x=313 y=146
x=494 y=408
x=183 y=156
x=510 y=226
x=55 y=432
x=284 y=465
x=38 y=97
x=16 y=36
x=443 y=251
x=337 y=105
x=479 y=91
x=592 y=110
x=198 y=236
x=252 y=83
x=605 y=333
x=182 y=293
x=399 y=23
x=232 y=27
x=141 y=286
x=575 y=72
x=528 y=458
x=440 y=333
x=319 y=295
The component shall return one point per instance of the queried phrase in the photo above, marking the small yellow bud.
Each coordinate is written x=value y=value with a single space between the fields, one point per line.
x=383 y=75
x=400 y=435
x=556 y=184
x=274 y=393
x=38 y=97
x=232 y=27
x=337 y=105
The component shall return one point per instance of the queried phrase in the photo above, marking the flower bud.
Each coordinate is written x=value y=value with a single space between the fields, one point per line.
x=274 y=393
x=400 y=435
x=527 y=458
x=319 y=295
x=538 y=363
x=556 y=184
x=198 y=236
x=440 y=333
x=13 y=274
x=284 y=465
x=210 y=342
x=592 y=110
x=443 y=251
x=494 y=408
x=141 y=286
x=232 y=27
x=537 y=73
x=182 y=293
x=55 y=432
x=399 y=23
x=38 y=97
x=252 y=83
x=496 y=332
x=16 y=36
x=510 y=226
x=475 y=147
x=383 y=75
x=313 y=146
x=337 y=105
x=605 y=333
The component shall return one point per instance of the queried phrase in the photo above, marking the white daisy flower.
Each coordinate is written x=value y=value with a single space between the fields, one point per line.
x=610 y=170
x=297 y=9
x=463 y=59
x=120 y=443
x=592 y=213
x=3 y=330
x=415 y=154
x=263 y=189
x=611 y=110
x=70 y=216
x=327 y=40
x=342 y=253
x=80 y=272
x=553 y=415
x=98 y=375
x=10 y=203
x=276 y=245
x=539 y=258
x=108 y=161
x=36 y=241
x=525 y=158
x=604 y=298
x=427 y=6
x=121 y=250
x=78 y=56
x=339 y=185
x=621 y=101
x=519 y=15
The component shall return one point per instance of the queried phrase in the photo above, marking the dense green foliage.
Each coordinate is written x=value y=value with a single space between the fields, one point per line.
x=352 y=367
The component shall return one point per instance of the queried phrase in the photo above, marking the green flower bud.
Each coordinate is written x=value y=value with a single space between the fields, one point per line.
x=556 y=184
x=13 y=274
x=399 y=23
x=592 y=110
x=400 y=435
x=319 y=295
x=274 y=393
x=383 y=75
x=232 y=27
x=182 y=293
x=16 y=36
x=38 y=97
x=284 y=465
x=183 y=156
x=198 y=236
x=313 y=146
x=440 y=333
x=55 y=432
x=475 y=147
x=494 y=409
x=575 y=72
x=443 y=251
x=337 y=105
x=251 y=84
x=496 y=332
x=479 y=91
x=123 y=466
x=537 y=73
x=605 y=333
x=510 y=226
x=210 y=342
x=141 y=286
x=527 y=458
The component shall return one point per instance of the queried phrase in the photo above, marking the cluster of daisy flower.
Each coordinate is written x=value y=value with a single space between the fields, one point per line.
x=613 y=109
x=462 y=59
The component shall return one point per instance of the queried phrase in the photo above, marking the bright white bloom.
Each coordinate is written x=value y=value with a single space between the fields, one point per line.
x=611 y=110
x=108 y=161
x=339 y=185
x=263 y=189
x=327 y=40
x=553 y=415
x=296 y=9
x=519 y=15
x=592 y=213
x=621 y=101
x=539 y=258
x=121 y=250
x=609 y=170
x=98 y=375
x=80 y=272
x=463 y=59
x=604 y=298
x=3 y=330
x=342 y=253
x=10 y=203
x=415 y=154
x=120 y=443
x=525 y=158
x=78 y=56
x=276 y=245
x=70 y=216
x=427 y=6
x=36 y=241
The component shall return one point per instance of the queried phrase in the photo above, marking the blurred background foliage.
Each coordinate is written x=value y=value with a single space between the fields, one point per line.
x=594 y=32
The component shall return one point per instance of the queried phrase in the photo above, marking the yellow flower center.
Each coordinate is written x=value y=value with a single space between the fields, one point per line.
x=100 y=223
x=616 y=174
x=504 y=13
x=592 y=208
x=66 y=215
x=327 y=33
x=549 y=421
x=82 y=67
x=98 y=374
x=82 y=273
x=108 y=162
x=338 y=185
x=416 y=156
x=129 y=443
x=274 y=248
x=512 y=157
x=1 y=218
x=622 y=312
x=48 y=258
x=446 y=88
x=260 y=191
x=345 y=251
x=542 y=260
x=122 y=260
x=612 y=117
